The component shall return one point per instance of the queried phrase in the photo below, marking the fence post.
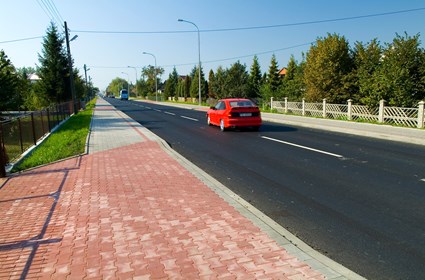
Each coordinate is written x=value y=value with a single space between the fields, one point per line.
x=303 y=107
x=324 y=108
x=3 y=158
x=350 y=112
x=271 y=103
x=286 y=105
x=33 y=129
x=421 y=114
x=381 y=111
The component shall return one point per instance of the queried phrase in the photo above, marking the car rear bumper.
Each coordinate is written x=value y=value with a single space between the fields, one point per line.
x=239 y=122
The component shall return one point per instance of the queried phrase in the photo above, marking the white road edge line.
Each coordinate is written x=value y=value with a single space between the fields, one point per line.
x=169 y=113
x=302 y=147
x=188 y=118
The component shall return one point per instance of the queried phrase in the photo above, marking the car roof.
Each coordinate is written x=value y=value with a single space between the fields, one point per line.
x=235 y=99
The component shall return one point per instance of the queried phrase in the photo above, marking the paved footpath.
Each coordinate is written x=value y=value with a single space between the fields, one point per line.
x=134 y=209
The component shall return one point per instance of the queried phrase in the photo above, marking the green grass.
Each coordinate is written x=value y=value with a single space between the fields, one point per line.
x=69 y=140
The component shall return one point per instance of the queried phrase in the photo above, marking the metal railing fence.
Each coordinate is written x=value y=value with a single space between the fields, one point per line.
x=18 y=134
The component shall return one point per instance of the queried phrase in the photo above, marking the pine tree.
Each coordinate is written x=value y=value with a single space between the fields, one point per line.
x=273 y=78
x=212 y=86
x=237 y=81
x=293 y=84
x=54 y=71
x=171 y=84
x=254 y=79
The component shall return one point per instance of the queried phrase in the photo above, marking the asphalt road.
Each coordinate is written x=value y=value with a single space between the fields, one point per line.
x=359 y=201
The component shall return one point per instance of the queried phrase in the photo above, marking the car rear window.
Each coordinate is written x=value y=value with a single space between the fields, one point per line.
x=244 y=103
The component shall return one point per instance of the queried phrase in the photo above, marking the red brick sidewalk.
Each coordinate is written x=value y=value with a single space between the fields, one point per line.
x=130 y=213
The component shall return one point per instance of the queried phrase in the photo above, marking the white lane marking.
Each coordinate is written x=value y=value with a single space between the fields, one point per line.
x=188 y=118
x=157 y=110
x=148 y=107
x=302 y=147
x=169 y=113
x=423 y=180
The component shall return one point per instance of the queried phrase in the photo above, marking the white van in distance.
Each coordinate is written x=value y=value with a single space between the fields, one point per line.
x=123 y=94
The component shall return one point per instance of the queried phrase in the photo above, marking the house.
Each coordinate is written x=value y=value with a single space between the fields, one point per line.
x=282 y=72
x=33 y=78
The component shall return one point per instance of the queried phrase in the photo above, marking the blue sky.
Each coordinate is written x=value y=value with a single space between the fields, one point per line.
x=108 y=54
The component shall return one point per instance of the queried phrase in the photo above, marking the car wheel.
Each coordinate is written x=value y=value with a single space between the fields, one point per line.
x=208 y=120
x=222 y=128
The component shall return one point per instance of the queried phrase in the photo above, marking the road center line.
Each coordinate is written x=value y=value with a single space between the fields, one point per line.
x=188 y=118
x=169 y=113
x=302 y=147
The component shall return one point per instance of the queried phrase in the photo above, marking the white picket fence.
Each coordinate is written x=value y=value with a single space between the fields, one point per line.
x=410 y=117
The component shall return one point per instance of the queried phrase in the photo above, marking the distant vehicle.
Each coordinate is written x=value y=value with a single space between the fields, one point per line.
x=234 y=112
x=123 y=94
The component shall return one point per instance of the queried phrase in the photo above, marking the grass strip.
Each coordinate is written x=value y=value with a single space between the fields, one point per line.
x=69 y=140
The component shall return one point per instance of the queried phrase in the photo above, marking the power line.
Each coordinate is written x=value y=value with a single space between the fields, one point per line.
x=213 y=61
x=51 y=11
x=23 y=39
x=253 y=27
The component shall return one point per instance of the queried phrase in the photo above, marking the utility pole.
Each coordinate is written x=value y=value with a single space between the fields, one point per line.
x=71 y=72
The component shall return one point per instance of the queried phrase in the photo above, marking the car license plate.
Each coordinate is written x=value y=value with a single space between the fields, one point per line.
x=245 y=114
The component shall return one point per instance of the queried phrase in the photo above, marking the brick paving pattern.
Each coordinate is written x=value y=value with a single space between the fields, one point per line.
x=130 y=212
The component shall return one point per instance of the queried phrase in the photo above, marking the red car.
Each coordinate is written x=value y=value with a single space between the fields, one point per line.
x=234 y=112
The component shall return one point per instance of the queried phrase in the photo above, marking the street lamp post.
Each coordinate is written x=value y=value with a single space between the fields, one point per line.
x=156 y=80
x=135 y=69
x=199 y=56
x=128 y=82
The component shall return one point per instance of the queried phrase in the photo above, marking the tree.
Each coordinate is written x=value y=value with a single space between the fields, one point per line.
x=273 y=78
x=54 y=71
x=194 y=92
x=212 y=86
x=9 y=84
x=171 y=84
x=367 y=61
x=218 y=87
x=151 y=73
x=327 y=66
x=293 y=82
x=254 y=81
x=116 y=85
x=236 y=81
x=400 y=80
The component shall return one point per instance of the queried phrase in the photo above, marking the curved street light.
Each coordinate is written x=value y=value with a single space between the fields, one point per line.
x=199 y=56
x=156 y=80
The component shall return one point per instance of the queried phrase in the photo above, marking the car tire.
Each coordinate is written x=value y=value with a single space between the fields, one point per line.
x=222 y=128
